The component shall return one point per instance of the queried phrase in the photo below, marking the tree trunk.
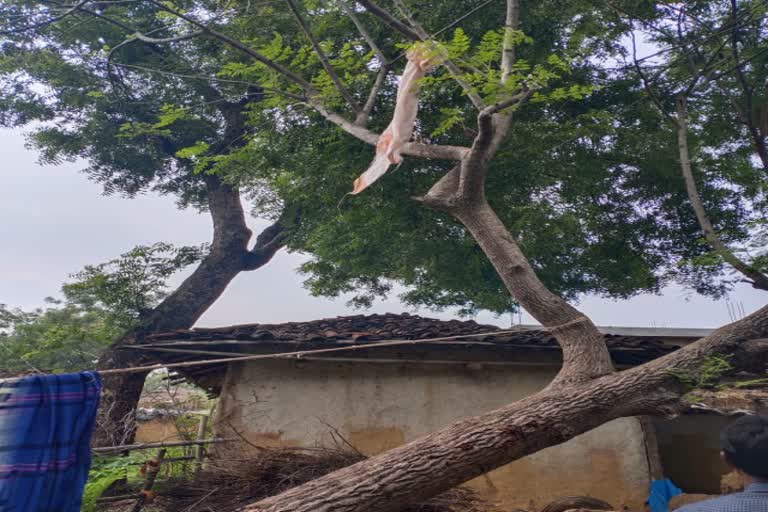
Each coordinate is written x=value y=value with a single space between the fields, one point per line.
x=229 y=255
x=586 y=393
x=585 y=354
x=467 y=449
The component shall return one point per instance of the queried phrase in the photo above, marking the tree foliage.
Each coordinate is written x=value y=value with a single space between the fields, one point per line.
x=707 y=82
x=99 y=304
x=587 y=181
x=134 y=283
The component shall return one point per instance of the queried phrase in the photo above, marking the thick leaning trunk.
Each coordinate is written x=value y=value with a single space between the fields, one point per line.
x=467 y=449
x=440 y=461
x=121 y=392
x=585 y=354
x=229 y=255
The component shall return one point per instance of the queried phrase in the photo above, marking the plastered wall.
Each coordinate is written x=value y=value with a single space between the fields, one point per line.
x=377 y=406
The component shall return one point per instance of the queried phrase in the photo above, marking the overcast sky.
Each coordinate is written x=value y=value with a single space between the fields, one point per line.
x=54 y=221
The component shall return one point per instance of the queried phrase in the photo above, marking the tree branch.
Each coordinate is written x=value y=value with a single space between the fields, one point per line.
x=734 y=36
x=47 y=22
x=365 y=114
x=323 y=58
x=107 y=19
x=758 y=279
x=493 y=123
x=461 y=193
x=706 y=72
x=412 y=149
x=268 y=243
x=308 y=87
x=364 y=32
x=452 y=68
x=680 y=123
x=212 y=79
x=757 y=135
x=390 y=20
x=709 y=73
x=166 y=40
x=431 y=151
x=466 y=182
x=511 y=24
x=491 y=131
x=646 y=83
x=758 y=138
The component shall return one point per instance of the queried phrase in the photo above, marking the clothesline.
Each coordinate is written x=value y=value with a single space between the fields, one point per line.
x=300 y=353
x=164 y=444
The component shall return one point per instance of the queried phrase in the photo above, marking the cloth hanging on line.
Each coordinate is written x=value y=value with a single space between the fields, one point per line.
x=46 y=422
x=400 y=129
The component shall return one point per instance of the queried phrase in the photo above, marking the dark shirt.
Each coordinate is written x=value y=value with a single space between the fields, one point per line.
x=753 y=499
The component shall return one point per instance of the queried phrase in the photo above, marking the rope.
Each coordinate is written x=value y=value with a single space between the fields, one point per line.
x=300 y=353
x=450 y=25
x=576 y=320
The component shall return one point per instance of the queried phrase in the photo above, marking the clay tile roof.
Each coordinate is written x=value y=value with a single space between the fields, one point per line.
x=368 y=328
x=358 y=327
x=625 y=349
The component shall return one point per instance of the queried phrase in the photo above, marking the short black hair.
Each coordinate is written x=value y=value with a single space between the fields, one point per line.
x=745 y=445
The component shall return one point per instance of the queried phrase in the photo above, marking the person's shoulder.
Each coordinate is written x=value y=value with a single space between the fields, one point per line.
x=718 y=504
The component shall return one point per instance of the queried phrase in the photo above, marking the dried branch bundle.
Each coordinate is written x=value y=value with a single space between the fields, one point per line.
x=233 y=480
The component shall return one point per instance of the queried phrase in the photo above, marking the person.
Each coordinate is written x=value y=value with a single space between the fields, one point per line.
x=744 y=445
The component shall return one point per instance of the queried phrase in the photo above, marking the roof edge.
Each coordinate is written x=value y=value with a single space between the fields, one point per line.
x=656 y=332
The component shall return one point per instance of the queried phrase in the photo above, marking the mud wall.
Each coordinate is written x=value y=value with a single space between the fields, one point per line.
x=378 y=406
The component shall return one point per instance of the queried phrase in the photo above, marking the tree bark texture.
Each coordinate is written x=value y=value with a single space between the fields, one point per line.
x=229 y=255
x=585 y=354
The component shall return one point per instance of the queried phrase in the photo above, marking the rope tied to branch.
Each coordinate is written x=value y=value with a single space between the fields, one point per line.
x=575 y=321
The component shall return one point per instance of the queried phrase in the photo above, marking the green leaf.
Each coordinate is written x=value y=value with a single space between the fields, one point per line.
x=199 y=148
x=459 y=45
x=451 y=117
x=169 y=115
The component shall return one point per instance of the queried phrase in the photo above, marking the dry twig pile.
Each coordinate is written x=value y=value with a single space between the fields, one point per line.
x=231 y=481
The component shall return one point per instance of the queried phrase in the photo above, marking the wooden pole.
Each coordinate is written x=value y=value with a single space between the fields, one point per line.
x=146 y=495
x=652 y=453
x=200 y=449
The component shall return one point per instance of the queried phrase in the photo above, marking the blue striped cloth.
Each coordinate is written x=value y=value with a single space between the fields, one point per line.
x=46 y=422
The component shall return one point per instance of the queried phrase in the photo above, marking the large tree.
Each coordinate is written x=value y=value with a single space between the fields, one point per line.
x=150 y=105
x=496 y=99
x=599 y=170
x=587 y=391
x=135 y=135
